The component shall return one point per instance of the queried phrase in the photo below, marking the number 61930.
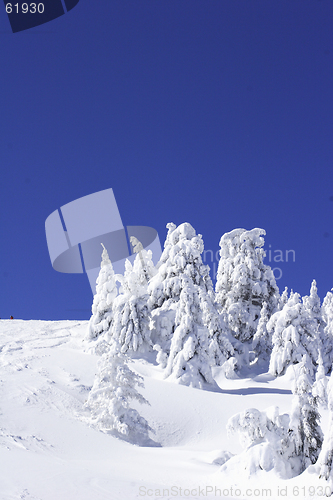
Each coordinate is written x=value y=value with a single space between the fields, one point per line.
x=33 y=8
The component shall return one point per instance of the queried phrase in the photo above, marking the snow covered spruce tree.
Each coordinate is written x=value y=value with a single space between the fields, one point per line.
x=305 y=434
x=179 y=264
x=262 y=340
x=111 y=395
x=181 y=269
x=244 y=282
x=325 y=459
x=327 y=341
x=223 y=348
x=106 y=292
x=188 y=362
x=146 y=270
x=131 y=314
x=294 y=334
x=283 y=299
x=312 y=305
x=320 y=386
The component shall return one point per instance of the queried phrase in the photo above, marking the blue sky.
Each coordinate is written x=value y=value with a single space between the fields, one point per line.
x=218 y=113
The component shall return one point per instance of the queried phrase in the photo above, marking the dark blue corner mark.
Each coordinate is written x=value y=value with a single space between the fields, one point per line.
x=70 y=4
x=24 y=15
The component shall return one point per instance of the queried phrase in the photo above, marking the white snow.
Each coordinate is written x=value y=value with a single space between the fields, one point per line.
x=49 y=452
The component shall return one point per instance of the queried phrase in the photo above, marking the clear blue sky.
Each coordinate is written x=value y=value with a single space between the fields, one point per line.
x=214 y=112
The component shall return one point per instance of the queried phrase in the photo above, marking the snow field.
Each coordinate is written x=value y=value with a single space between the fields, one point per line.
x=48 y=451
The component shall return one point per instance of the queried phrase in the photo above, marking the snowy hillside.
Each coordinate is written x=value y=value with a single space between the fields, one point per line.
x=49 y=451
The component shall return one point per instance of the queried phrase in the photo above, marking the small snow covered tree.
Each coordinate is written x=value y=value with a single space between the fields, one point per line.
x=319 y=389
x=262 y=340
x=325 y=459
x=327 y=340
x=130 y=326
x=220 y=340
x=146 y=269
x=111 y=395
x=250 y=424
x=106 y=292
x=305 y=434
x=294 y=334
x=312 y=305
x=283 y=299
x=188 y=362
x=264 y=435
x=244 y=282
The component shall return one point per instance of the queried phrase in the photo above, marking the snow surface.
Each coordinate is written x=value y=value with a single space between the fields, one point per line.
x=48 y=451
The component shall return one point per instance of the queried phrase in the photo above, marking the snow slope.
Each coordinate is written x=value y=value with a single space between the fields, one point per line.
x=48 y=451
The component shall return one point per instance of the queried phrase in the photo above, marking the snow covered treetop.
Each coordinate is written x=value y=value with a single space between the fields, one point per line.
x=312 y=301
x=105 y=257
x=183 y=232
x=180 y=263
x=182 y=250
x=233 y=241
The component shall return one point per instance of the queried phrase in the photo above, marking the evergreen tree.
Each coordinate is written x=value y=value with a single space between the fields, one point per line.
x=179 y=268
x=305 y=434
x=130 y=327
x=222 y=345
x=325 y=459
x=244 y=283
x=106 y=292
x=320 y=386
x=262 y=341
x=146 y=269
x=312 y=305
x=283 y=299
x=188 y=362
x=327 y=341
x=110 y=397
x=294 y=334
x=221 y=342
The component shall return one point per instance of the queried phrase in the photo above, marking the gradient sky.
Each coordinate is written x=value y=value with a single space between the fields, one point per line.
x=214 y=112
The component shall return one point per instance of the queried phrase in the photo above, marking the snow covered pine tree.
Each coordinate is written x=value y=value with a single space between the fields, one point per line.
x=327 y=342
x=312 y=305
x=244 y=282
x=283 y=299
x=319 y=389
x=106 y=291
x=130 y=326
x=182 y=301
x=109 y=399
x=294 y=334
x=262 y=340
x=305 y=434
x=179 y=262
x=325 y=459
x=188 y=362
